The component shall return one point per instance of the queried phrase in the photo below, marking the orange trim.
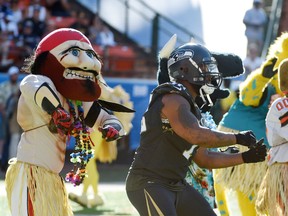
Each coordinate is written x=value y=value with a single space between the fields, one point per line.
x=283 y=120
x=29 y=205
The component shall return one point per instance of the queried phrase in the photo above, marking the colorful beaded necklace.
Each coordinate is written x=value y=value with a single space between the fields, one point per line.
x=83 y=151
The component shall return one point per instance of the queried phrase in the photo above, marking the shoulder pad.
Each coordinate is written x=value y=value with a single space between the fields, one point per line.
x=169 y=87
x=175 y=88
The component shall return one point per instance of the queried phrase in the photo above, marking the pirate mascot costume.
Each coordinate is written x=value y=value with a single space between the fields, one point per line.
x=58 y=101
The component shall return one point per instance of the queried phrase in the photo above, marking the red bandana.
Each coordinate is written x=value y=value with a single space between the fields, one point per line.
x=57 y=37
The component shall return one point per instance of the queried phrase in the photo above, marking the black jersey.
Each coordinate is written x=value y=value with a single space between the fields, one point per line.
x=162 y=154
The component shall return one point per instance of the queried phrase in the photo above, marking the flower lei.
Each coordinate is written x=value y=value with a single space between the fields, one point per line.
x=202 y=179
x=83 y=151
x=207 y=120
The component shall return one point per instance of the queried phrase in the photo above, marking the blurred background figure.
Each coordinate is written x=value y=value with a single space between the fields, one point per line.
x=94 y=28
x=3 y=134
x=255 y=20
x=9 y=31
x=252 y=60
x=36 y=5
x=28 y=38
x=82 y=23
x=9 y=93
x=58 y=7
x=106 y=37
x=16 y=11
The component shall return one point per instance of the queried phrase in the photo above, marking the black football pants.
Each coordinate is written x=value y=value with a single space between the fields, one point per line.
x=155 y=199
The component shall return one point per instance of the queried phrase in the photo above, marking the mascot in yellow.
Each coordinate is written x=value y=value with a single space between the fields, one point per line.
x=104 y=151
x=248 y=112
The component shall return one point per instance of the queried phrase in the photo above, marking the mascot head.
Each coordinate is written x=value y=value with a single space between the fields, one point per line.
x=278 y=49
x=67 y=57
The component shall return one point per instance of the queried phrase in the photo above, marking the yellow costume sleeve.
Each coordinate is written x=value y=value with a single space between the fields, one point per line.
x=251 y=90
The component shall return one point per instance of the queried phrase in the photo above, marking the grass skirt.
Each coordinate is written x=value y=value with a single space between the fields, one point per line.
x=245 y=177
x=46 y=190
x=272 y=198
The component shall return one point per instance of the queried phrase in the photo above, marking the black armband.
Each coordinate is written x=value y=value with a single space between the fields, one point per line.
x=46 y=98
x=92 y=114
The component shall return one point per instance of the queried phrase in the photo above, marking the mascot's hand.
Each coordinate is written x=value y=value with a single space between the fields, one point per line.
x=246 y=138
x=61 y=120
x=256 y=153
x=268 y=71
x=109 y=132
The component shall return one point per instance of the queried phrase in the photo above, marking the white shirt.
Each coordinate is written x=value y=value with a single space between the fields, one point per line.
x=277 y=131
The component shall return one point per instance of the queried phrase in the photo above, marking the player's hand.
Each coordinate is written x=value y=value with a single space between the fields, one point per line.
x=246 y=138
x=61 y=120
x=109 y=133
x=256 y=153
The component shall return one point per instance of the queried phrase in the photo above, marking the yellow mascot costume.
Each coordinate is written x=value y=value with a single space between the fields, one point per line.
x=105 y=152
x=248 y=113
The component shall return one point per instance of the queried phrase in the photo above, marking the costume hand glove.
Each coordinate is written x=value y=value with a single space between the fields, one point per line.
x=246 y=138
x=256 y=153
x=268 y=71
x=109 y=133
x=61 y=120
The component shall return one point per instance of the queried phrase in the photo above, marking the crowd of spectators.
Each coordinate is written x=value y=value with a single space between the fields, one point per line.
x=23 y=23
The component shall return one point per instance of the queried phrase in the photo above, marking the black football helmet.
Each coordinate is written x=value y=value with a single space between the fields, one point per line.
x=195 y=63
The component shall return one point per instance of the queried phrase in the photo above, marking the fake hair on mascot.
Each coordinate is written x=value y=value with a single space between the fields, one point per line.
x=229 y=65
x=257 y=93
x=59 y=101
x=104 y=152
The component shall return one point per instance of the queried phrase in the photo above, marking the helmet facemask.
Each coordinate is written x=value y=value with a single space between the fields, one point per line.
x=212 y=78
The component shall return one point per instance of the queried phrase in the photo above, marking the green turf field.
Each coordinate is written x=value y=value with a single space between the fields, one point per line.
x=116 y=201
x=111 y=187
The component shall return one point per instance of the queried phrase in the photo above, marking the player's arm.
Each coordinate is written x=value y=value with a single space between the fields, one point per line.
x=177 y=109
x=213 y=160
